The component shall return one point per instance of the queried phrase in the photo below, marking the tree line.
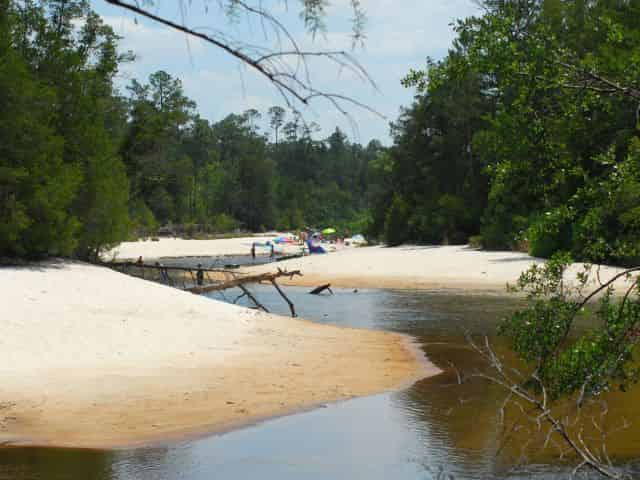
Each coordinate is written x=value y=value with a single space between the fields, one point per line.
x=524 y=136
x=85 y=166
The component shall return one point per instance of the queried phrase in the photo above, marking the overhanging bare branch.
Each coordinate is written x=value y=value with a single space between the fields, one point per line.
x=291 y=79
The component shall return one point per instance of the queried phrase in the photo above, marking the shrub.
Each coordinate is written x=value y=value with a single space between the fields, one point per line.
x=475 y=241
x=551 y=232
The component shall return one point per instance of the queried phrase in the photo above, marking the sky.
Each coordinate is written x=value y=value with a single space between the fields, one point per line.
x=400 y=35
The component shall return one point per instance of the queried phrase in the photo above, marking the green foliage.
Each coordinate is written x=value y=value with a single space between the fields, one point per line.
x=223 y=223
x=566 y=361
x=82 y=167
x=188 y=170
x=36 y=187
x=396 y=225
x=105 y=206
x=551 y=232
x=143 y=223
x=360 y=224
x=63 y=186
x=433 y=163
x=608 y=227
x=476 y=241
x=530 y=123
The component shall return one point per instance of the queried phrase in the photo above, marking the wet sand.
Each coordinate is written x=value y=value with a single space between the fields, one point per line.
x=93 y=358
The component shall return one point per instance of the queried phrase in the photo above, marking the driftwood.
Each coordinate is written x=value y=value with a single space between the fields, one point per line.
x=237 y=280
x=241 y=282
x=152 y=266
x=244 y=280
x=247 y=293
x=292 y=307
x=321 y=288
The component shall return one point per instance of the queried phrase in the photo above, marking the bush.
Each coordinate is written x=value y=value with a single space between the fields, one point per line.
x=551 y=232
x=475 y=241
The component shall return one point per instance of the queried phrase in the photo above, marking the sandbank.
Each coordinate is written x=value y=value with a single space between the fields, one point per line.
x=458 y=267
x=419 y=267
x=94 y=358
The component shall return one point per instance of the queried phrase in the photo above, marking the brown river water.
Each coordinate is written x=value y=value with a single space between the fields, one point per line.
x=435 y=429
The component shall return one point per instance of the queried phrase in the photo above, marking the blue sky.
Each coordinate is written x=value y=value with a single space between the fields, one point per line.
x=400 y=35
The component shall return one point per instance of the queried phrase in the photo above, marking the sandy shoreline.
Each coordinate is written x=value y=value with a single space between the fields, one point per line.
x=406 y=267
x=420 y=267
x=93 y=358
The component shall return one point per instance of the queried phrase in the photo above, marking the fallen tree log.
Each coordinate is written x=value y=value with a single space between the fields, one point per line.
x=244 y=280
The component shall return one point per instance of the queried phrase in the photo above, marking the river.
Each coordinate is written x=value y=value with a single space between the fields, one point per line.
x=436 y=429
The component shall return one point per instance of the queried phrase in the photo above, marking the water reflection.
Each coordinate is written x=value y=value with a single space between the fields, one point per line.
x=436 y=429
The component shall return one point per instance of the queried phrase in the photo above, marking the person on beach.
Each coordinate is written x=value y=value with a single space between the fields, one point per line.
x=273 y=250
x=139 y=261
x=253 y=250
x=200 y=275
x=163 y=272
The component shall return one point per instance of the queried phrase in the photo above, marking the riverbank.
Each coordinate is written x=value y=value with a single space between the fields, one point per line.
x=418 y=267
x=94 y=358
x=179 y=247
x=405 y=267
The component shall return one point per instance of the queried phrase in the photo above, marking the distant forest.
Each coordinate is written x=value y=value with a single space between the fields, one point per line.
x=525 y=136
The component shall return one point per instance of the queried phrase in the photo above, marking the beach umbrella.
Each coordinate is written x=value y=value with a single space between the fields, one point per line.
x=328 y=231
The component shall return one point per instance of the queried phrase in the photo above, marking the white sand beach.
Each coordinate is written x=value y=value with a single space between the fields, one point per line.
x=94 y=358
x=178 y=247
